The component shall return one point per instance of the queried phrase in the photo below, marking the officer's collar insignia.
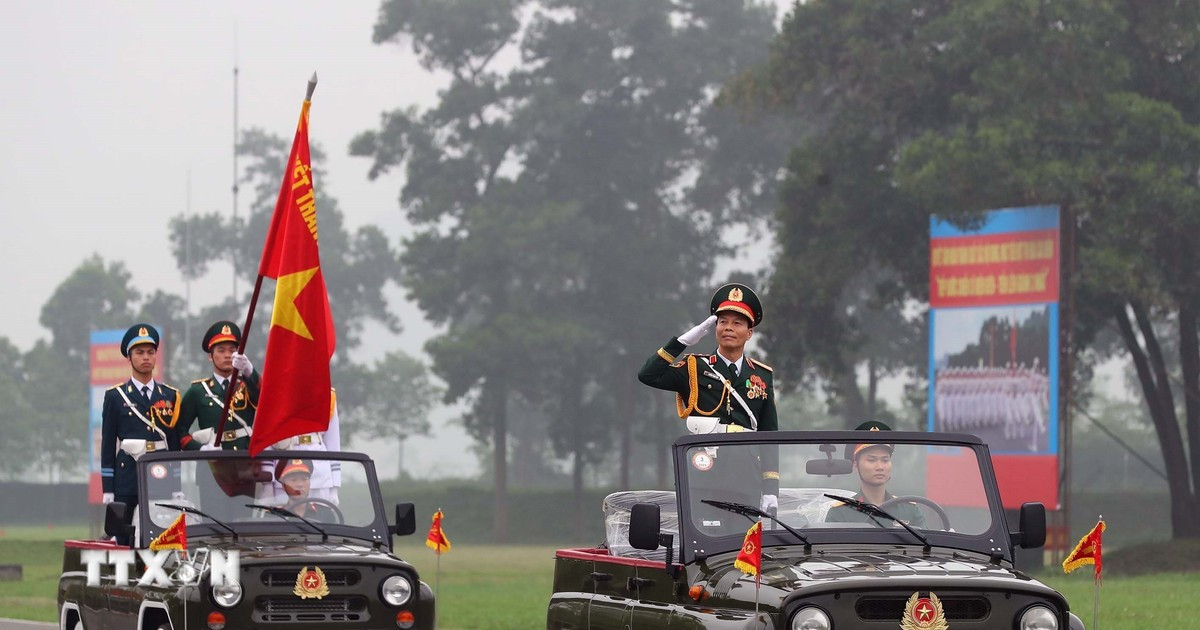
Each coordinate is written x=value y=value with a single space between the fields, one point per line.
x=142 y=332
x=225 y=330
x=924 y=613
x=735 y=294
x=310 y=584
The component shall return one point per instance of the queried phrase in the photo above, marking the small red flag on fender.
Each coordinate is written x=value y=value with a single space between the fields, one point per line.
x=749 y=559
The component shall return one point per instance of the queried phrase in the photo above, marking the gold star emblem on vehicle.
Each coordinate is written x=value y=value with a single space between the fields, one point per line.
x=311 y=584
x=924 y=613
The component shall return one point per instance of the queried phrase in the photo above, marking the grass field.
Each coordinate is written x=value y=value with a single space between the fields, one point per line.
x=507 y=588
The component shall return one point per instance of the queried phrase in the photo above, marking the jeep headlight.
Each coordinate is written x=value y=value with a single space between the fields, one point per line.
x=810 y=618
x=395 y=590
x=1038 y=618
x=227 y=595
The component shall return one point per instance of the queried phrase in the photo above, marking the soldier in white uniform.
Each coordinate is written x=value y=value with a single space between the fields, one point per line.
x=326 y=475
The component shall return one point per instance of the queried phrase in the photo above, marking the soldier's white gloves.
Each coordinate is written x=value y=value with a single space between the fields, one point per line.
x=698 y=331
x=209 y=446
x=107 y=498
x=135 y=448
x=242 y=364
x=205 y=436
x=284 y=444
x=769 y=501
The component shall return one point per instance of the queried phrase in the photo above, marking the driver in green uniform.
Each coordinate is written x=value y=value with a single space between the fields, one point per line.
x=874 y=465
x=295 y=476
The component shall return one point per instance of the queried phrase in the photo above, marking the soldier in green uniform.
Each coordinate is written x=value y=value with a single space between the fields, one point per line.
x=874 y=465
x=139 y=416
x=725 y=391
x=200 y=414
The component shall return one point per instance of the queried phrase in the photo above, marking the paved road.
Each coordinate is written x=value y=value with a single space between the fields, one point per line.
x=15 y=624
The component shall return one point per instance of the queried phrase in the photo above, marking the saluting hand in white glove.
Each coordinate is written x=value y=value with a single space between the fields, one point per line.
x=107 y=498
x=698 y=331
x=242 y=364
x=769 y=501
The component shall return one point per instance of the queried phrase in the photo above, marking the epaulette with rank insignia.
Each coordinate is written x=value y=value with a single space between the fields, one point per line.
x=760 y=364
x=199 y=380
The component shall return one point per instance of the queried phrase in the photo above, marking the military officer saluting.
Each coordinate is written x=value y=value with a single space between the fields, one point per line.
x=724 y=391
x=873 y=462
x=138 y=417
x=200 y=413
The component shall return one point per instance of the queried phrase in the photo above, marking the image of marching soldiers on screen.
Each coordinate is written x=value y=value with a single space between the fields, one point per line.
x=998 y=389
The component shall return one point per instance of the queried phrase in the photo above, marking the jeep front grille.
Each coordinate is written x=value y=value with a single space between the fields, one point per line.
x=287 y=577
x=957 y=608
x=291 y=609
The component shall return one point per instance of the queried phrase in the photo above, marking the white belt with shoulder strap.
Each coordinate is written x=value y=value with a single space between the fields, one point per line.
x=308 y=439
x=712 y=424
x=233 y=434
x=136 y=448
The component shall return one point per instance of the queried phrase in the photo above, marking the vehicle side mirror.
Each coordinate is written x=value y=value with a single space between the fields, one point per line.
x=406 y=520
x=1032 y=526
x=828 y=467
x=643 y=526
x=114 y=520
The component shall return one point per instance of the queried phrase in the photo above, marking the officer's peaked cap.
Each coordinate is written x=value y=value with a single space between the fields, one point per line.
x=137 y=335
x=740 y=299
x=220 y=332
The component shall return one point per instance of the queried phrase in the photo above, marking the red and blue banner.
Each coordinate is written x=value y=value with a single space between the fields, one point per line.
x=993 y=346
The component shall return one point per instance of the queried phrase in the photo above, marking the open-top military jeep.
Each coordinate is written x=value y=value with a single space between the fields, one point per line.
x=936 y=553
x=274 y=541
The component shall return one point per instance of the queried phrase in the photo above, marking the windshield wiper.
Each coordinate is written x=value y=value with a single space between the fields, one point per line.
x=191 y=510
x=873 y=510
x=748 y=511
x=286 y=514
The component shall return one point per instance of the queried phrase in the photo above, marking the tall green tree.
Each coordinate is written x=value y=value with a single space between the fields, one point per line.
x=928 y=106
x=389 y=401
x=550 y=189
x=96 y=296
x=357 y=265
x=17 y=415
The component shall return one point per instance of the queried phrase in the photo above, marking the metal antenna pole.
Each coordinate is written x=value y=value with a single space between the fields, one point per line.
x=233 y=254
x=187 y=264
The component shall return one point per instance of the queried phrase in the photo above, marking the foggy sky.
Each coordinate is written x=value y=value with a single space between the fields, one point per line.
x=110 y=108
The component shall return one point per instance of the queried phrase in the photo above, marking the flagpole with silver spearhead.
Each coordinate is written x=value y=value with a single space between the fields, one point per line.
x=233 y=379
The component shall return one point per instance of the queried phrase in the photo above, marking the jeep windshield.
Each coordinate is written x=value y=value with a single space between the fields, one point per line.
x=841 y=487
x=296 y=492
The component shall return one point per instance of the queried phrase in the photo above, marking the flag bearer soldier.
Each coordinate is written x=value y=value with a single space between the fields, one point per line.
x=139 y=416
x=725 y=391
x=200 y=416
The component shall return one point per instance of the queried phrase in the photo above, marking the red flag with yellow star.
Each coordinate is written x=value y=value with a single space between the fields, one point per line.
x=294 y=396
x=749 y=559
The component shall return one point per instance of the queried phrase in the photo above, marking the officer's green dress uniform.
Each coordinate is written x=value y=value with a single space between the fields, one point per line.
x=905 y=511
x=128 y=414
x=700 y=392
x=843 y=513
x=205 y=398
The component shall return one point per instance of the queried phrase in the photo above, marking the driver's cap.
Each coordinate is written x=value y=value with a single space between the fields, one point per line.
x=286 y=467
x=871 y=425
